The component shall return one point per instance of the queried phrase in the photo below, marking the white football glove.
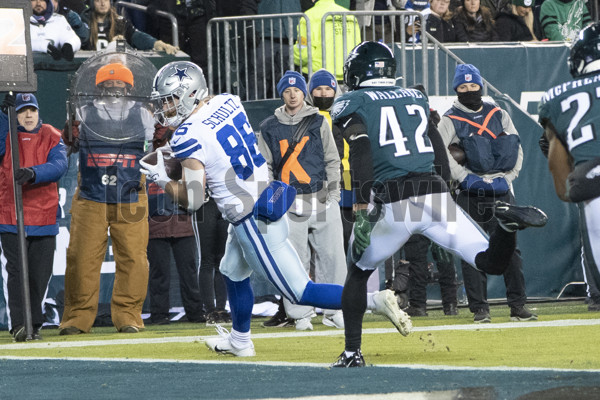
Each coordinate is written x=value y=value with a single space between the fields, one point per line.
x=157 y=172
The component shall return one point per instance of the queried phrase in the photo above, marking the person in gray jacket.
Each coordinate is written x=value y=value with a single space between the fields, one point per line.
x=300 y=150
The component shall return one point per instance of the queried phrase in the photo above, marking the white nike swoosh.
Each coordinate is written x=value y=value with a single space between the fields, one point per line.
x=347 y=122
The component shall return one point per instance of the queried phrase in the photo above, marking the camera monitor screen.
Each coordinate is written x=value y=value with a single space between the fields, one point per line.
x=16 y=73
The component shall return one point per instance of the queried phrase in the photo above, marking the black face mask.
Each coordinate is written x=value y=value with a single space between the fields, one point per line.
x=323 y=103
x=471 y=99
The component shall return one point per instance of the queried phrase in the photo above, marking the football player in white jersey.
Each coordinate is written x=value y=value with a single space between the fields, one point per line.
x=217 y=148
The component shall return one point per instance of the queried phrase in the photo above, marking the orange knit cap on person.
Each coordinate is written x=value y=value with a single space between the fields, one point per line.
x=114 y=71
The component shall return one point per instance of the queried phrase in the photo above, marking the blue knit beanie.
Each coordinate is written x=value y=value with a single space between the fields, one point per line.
x=322 y=78
x=289 y=79
x=466 y=73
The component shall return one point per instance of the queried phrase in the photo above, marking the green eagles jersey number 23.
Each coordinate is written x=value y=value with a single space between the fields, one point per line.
x=573 y=108
x=396 y=121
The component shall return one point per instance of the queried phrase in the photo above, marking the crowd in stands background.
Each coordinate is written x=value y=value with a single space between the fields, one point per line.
x=61 y=27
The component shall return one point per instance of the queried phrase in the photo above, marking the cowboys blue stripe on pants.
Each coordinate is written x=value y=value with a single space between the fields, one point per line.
x=257 y=246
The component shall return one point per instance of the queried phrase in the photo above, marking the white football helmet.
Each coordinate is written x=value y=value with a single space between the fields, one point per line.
x=178 y=87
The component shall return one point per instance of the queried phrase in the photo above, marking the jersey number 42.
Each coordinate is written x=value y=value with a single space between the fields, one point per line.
x=388 y=123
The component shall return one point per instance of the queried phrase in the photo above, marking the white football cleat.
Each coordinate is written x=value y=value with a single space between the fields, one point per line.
x=386 y=304
x=223 y=345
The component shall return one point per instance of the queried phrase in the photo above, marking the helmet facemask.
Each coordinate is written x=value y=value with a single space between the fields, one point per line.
x=166 y=110
x=178 y=88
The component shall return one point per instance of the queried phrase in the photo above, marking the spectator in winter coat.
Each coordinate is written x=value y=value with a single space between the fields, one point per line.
x=474 y=23
x=518 y=25
x=413 y=23
x=192 y=17
x=106 y=26
x=439 y=21
x=497 y=6
x=563 y=19
x=51 y=33
x=81 y=29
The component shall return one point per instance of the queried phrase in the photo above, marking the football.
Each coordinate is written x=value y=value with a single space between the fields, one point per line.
x=457 y=153
x=172 y=165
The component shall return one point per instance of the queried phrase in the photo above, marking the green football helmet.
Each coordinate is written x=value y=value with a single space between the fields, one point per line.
x=370 y=64
x=585 y=51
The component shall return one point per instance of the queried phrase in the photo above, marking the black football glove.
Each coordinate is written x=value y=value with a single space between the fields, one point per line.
x=54 y=52
x=434 y=117
x=67 y=52
x=24 y=175
x=9 y=101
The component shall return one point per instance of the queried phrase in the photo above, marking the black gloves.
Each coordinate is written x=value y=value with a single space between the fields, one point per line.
x=9 y=101
x=54 y=52
x=67 y=52
x=24 y=175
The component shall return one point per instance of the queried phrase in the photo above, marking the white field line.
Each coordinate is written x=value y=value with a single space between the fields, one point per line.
x=336 y=332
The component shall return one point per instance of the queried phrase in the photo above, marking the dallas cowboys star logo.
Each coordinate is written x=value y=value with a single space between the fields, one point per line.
x=181 y=74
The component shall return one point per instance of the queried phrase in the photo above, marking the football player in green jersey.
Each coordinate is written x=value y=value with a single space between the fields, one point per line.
x=570 y=115
x=397 y=191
